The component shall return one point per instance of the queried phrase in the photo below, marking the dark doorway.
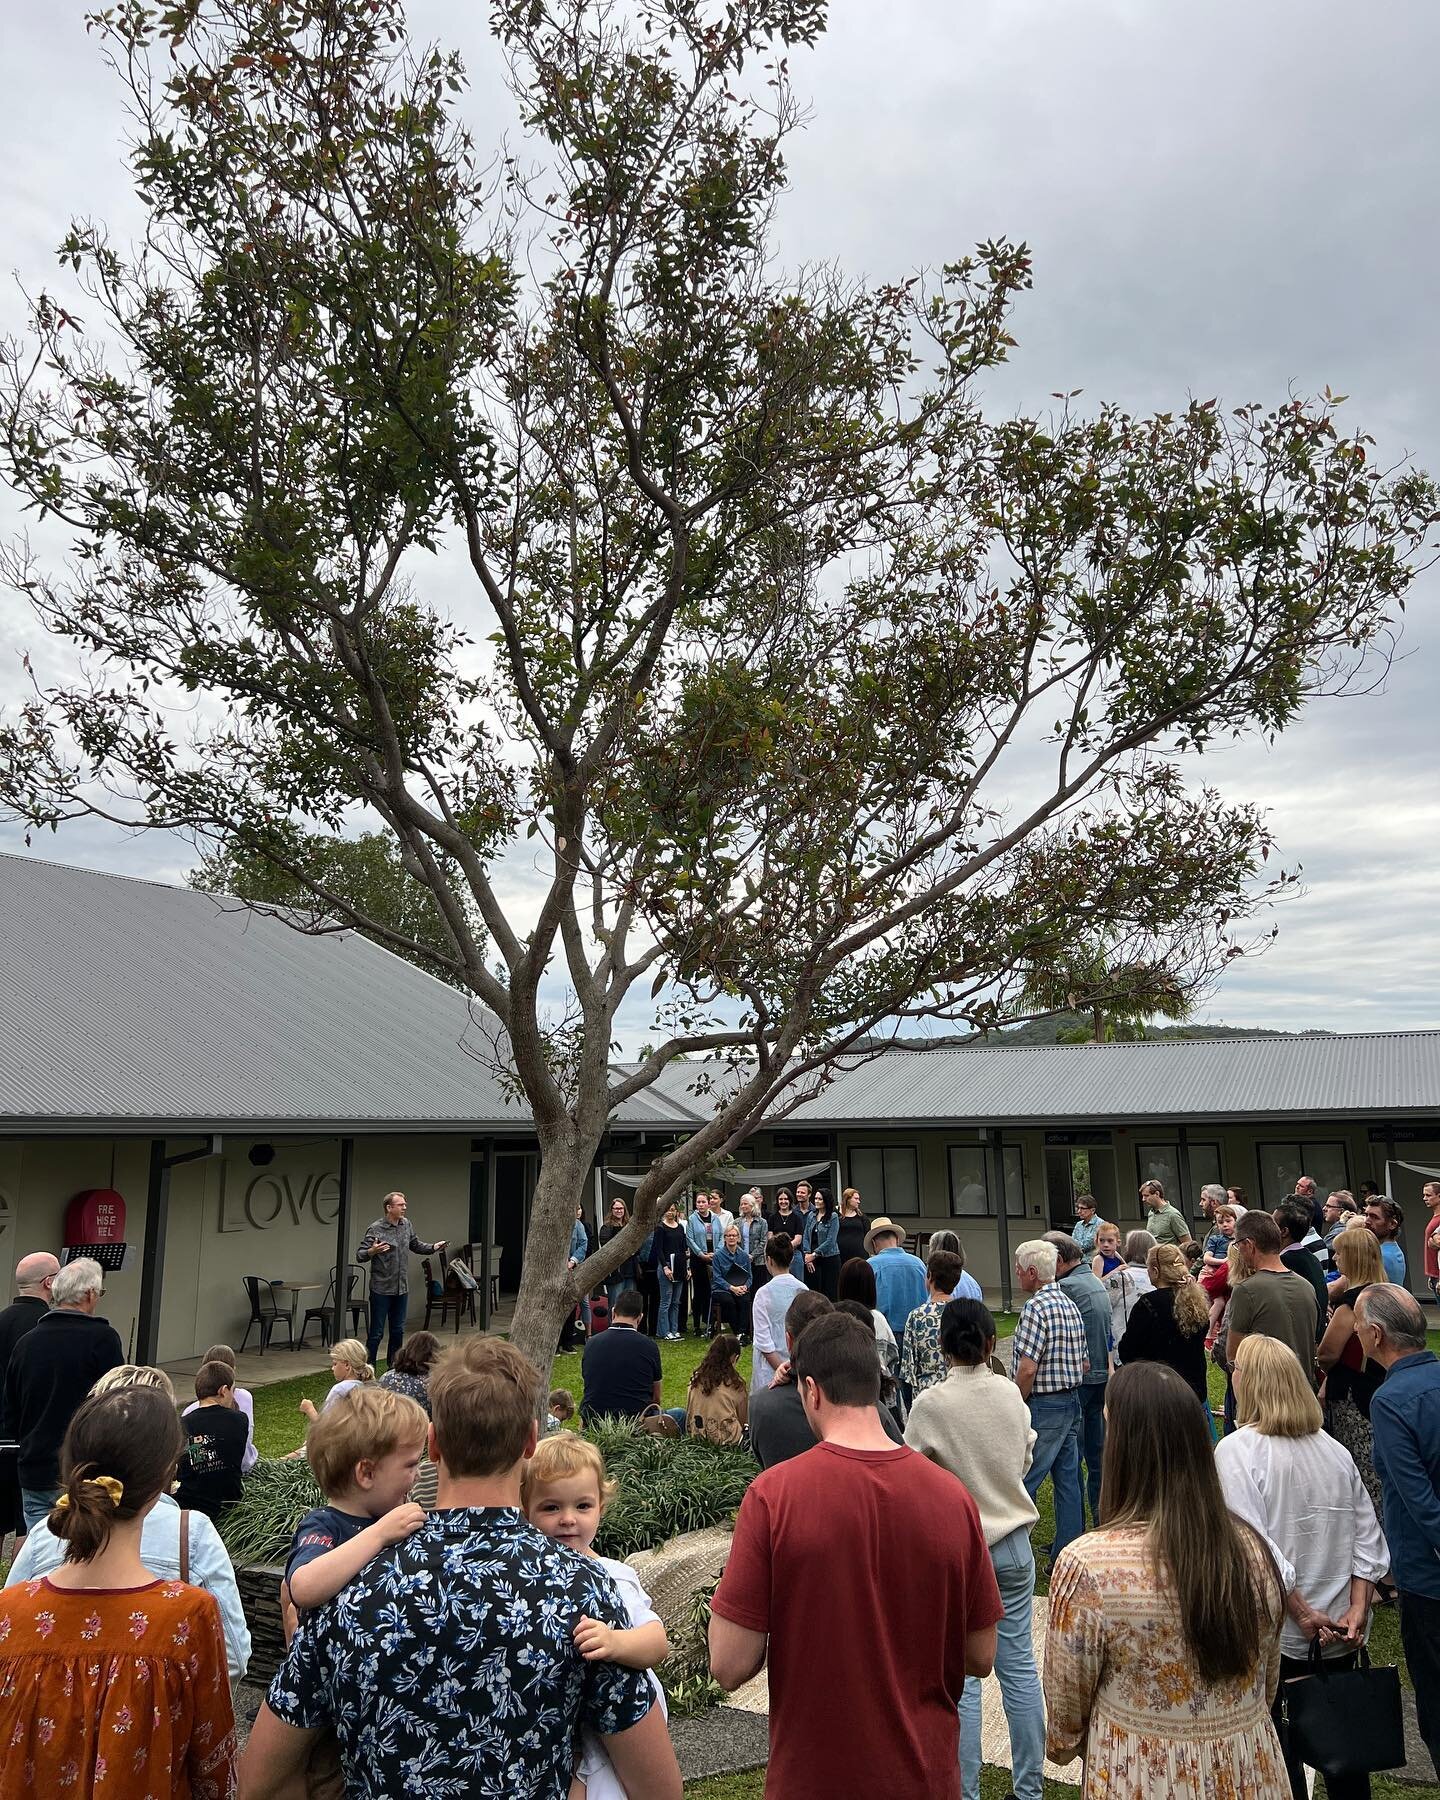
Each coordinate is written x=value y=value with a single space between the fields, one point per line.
x=512 y=1214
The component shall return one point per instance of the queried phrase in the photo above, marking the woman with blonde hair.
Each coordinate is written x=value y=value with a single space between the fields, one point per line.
x=349 y=1367
x=1349 y=1379
x=1167 y=1325
x=133 y=1375
x=1163 y=1655
x=1302 y=1491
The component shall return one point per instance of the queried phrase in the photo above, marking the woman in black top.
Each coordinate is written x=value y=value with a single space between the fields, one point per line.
x=785 y=1219
x=628 y=1274
x=853 y=1226
x=1168 y=1324
x=670 y=1263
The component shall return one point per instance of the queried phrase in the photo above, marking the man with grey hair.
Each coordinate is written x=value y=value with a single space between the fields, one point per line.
x=1049 y=1359
x=1211 y=1196
x=33 y=1275
x=1405 y=1422
x=1075 y=1281
x=50 y=1373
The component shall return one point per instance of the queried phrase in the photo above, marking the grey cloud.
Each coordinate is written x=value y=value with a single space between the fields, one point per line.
x=1226 y=200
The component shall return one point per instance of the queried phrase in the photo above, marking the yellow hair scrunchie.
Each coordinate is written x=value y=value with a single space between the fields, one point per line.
x=113 y=1489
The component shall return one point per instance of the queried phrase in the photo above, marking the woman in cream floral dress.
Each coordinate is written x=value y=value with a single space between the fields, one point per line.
x=1163 y=1652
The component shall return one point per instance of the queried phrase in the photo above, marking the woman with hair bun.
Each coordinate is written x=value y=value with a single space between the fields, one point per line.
x=975 y=1424
x=179 y=1545
x=113 y=1681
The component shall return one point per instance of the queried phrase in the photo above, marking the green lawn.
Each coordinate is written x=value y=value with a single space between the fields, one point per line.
x=279 y=1428
x=995 y=1785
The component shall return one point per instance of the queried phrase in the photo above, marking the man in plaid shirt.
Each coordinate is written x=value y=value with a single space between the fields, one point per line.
x=1049 y=1359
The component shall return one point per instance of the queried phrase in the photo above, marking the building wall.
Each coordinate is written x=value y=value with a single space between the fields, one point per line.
x=1230 y=1153
x=229 y=1218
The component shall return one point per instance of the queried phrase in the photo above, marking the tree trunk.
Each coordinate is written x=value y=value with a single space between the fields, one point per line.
x=547 y=1287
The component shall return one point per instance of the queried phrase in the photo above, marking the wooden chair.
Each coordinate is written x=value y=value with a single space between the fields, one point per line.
x=450 y=1301
x=493 y=1275
x=266 y=1312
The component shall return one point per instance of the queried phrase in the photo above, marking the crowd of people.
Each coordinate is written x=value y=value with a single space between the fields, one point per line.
x=706 y=1271
x=468 y=1638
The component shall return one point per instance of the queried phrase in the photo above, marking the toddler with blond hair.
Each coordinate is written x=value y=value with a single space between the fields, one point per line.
x=564 y=1491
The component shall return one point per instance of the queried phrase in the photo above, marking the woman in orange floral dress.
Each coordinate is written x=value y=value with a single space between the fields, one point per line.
x=1163 y=1652
x=113 y=1683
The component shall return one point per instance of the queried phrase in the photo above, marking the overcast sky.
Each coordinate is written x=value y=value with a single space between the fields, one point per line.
x=1225 y=200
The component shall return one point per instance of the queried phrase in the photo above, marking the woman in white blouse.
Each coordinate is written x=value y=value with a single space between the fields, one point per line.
x=975 y=1424
x=1282 y=1474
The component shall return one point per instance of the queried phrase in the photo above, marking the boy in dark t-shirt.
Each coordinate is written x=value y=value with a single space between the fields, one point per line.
x=218 y=1433
x=364 y=1452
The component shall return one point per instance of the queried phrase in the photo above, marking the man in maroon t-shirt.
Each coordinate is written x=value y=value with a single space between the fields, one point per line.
x=873 y=1548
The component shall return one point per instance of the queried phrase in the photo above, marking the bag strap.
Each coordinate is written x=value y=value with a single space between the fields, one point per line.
x=184 y=1544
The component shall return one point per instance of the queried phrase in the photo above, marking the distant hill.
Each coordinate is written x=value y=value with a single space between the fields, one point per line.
x=1048 y=1031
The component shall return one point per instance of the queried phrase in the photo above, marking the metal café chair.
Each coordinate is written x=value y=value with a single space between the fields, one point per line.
x=266 y=1312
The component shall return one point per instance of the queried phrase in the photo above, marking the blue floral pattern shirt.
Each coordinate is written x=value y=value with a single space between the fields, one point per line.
x=448 y=1666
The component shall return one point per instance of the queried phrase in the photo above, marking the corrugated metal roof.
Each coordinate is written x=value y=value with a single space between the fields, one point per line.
x=128 y=1000
x=1386 y=1074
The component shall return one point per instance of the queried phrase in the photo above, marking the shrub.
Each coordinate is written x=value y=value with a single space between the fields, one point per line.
x=685 y=1673
x=258 y=1528
x=667 y=1485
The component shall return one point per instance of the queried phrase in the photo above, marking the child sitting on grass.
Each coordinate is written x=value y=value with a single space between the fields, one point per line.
x=564 y=1491
x=364 y=1453
x=559 y=1408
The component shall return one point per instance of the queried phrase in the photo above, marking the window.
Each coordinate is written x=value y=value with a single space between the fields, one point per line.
x=888 y=1177
x=970 y=1182
x=1282 y=1165
x=1161 y=1162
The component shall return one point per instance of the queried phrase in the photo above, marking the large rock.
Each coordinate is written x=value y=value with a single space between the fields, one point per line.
x=674 y=1572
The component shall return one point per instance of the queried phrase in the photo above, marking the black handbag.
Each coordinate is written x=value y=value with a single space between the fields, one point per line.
x=1345 y=1721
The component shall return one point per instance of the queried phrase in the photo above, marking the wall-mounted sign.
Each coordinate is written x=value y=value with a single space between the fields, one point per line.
x=273 y=1201
x=95 y=1216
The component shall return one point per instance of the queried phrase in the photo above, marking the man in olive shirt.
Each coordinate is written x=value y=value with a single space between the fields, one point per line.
x=1271 y=1302
x=1166 y=1223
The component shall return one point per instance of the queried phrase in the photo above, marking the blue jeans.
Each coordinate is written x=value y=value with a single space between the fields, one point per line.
x=669 y=1324
x=1092 y=1441
x=1015 y=1669
x=35 y=1503
x=383 y=1308
x=618 y=1285
x=1056 y=1418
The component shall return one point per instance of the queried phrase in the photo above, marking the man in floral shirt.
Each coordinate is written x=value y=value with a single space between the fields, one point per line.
x=449 y=1666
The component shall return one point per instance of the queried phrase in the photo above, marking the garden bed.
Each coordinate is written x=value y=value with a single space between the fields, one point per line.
x=667 y=1487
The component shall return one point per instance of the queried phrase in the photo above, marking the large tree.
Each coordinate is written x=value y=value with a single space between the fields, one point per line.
x=818 y=702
